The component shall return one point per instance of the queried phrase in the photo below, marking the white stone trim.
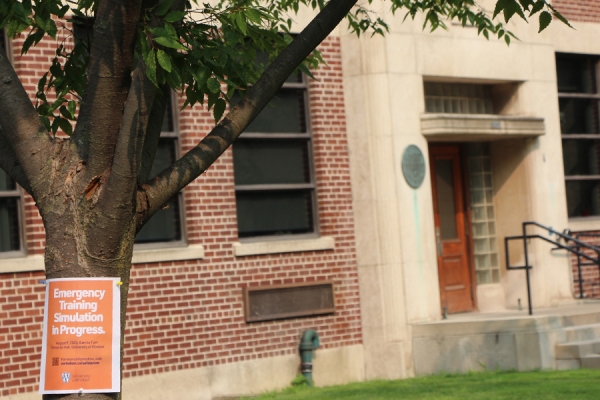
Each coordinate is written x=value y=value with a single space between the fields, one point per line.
x=469 y=127
x=283 y=246
x=194 y=252
x=36 y=262
x=584 y=224
x=22 y=264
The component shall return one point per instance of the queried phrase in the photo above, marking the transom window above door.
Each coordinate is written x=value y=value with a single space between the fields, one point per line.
x=458 y=98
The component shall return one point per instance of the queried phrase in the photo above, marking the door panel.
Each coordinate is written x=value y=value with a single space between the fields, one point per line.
x=450 y=228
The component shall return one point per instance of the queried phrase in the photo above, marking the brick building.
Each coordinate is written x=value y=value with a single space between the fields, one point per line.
x=340 y=215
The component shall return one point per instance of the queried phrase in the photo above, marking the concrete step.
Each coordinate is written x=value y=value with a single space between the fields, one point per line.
x=582 y=332
x=577 y=350
x=591 y=361
x=563 y=365
x=588 y=318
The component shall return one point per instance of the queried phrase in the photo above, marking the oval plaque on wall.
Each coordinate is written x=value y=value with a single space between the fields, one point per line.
x=413 y=166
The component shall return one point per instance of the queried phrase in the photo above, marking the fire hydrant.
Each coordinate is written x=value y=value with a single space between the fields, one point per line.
x=309 y=342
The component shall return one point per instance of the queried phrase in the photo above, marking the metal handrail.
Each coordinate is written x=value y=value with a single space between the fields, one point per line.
x=565 y=235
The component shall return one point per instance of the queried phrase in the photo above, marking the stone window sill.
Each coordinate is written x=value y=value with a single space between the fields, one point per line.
x=193 y=252
x=22 y=264
x=584 y=224
x=283 y=246
x=36 y=262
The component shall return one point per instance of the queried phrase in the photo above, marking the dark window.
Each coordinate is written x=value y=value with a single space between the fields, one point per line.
x=274 y=180
x=166 y=225
x=579 y=100
x=10 y=204
x=10 y=201
x=3 y=40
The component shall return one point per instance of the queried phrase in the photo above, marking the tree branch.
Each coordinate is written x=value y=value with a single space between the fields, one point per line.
x=109 y=81
x=117 y=196
x=197 y=160
x=22 y=131
x=130 y=143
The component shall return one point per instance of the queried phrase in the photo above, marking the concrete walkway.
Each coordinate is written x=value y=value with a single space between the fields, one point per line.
x=577 y=308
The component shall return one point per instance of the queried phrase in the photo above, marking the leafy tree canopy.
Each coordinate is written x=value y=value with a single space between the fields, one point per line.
x=209 y=51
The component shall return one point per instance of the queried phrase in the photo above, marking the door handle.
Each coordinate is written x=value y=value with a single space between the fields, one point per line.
x=438 y=240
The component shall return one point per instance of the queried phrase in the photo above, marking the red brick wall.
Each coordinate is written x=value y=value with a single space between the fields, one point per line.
x=590 y=274
x=190 y=314
x=579 y=10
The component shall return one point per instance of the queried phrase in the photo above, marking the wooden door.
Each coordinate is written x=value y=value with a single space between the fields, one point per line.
x=450 y=228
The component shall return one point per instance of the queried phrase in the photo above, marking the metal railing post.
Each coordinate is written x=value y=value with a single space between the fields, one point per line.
x=578 y=248
x=527 y=268
x=580 y=276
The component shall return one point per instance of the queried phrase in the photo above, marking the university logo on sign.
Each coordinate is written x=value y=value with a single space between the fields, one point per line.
x=66 y=376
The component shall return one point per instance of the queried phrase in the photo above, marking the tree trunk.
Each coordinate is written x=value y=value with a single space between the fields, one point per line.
x=81 y=234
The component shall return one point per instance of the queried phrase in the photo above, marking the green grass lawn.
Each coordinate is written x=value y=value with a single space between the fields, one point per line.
x=546 y=385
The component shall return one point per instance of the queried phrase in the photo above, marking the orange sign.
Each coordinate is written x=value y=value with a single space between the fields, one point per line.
x=80 y=345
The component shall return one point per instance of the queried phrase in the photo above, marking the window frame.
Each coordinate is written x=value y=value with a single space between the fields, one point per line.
x=7 y=45
x=310 y=186
x=18 y=195
x=18 y=192
x=175 y=134
x=594 y=60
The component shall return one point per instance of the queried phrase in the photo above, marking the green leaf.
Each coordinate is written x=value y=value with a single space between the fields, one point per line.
x=500 y=5
x=51 y=28
x=55 y=125
x=219 y=109
x=212 y=99
x=163 y=7
x=545 y=19
x=64 y=112
x=511 y=8
x=561 y=18
x=28 y=42
x=537 y=7
x=61 y=13
x=164 y=60
x=72 y=106
x=213 y=85
x=174 y=16
x=253 y=15
x=302 y=67
x=151 y=67
x=201 y=75
x=240 y=20
x=42 y=82
x=19 y=11
x=12 y=27
x=169 y=42
x=65 y=125
x=45 y=122
x=526 y=3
